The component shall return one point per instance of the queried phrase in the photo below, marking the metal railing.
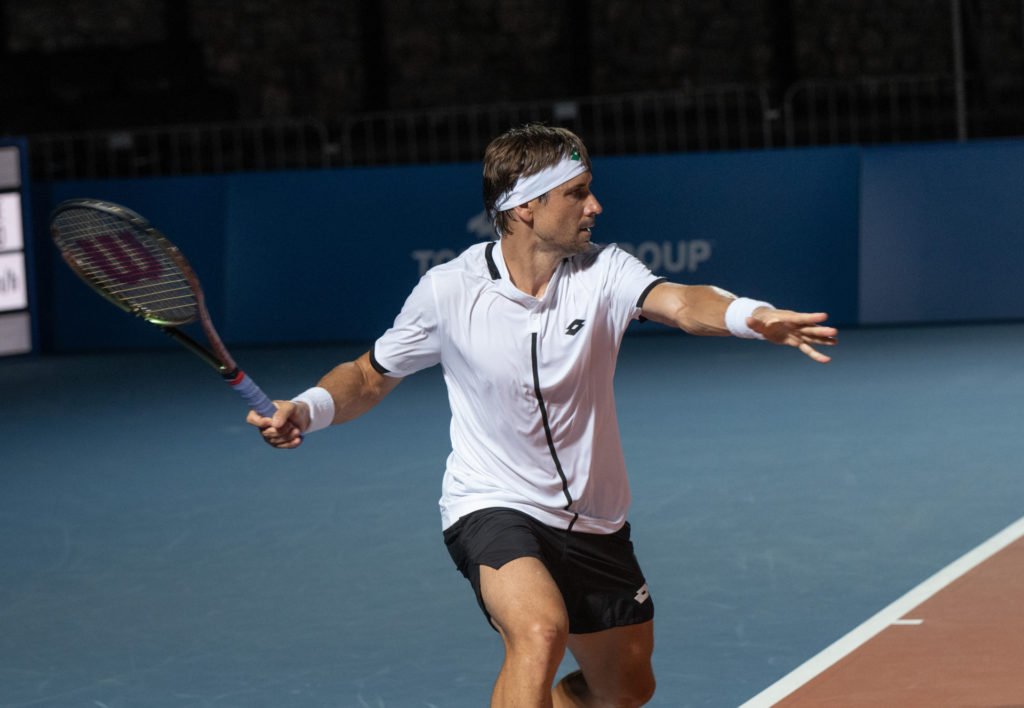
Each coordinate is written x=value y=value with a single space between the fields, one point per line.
x=714 y=118
x=180 y=150
x=726 y=117
x=894 y=109
x=731 y=117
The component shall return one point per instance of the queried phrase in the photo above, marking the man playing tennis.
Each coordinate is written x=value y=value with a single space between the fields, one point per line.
x=535 y=495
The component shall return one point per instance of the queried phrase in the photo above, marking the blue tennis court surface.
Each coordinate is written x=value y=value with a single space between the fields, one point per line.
x=156 y=553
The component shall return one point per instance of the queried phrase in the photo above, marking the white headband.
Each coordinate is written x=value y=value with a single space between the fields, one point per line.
x=533 y=186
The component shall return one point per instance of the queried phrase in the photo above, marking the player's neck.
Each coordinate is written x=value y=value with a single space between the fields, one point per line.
x=529 y=267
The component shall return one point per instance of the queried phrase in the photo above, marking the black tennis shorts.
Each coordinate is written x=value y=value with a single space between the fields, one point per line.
x=598 y=574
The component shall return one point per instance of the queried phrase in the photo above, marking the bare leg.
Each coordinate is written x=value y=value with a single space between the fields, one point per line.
x=615 y=669
x=527 y=609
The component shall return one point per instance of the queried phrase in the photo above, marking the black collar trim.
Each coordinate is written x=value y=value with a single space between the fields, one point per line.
x=491 y=267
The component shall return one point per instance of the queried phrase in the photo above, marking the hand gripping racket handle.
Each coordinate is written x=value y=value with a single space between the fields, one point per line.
x=253 y=395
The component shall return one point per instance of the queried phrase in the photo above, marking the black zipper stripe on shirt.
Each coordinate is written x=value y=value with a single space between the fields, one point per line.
x=547 y=430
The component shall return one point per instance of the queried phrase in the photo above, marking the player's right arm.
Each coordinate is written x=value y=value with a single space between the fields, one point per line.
x=355 y=387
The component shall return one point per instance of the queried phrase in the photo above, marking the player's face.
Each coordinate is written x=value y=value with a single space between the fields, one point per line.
x=563 y=220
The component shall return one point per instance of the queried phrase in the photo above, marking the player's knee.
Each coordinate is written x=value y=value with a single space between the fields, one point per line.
x=643 y=684
x=634 y=696
x=540 y=637
x=550 y=635
x=636 y=690
x=641 y=691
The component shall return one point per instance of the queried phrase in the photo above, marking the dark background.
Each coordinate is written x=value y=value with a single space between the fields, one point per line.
x=71 y=66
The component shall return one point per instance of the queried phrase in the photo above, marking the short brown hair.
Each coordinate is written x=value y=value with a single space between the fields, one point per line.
x=521 y=152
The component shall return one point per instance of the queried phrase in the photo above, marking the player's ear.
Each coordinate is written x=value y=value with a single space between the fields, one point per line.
x=524 y=213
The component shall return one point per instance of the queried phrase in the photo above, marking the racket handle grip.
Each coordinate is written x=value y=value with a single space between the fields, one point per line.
x=253 y=395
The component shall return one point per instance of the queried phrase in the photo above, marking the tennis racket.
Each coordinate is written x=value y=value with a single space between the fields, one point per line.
x=125 y=259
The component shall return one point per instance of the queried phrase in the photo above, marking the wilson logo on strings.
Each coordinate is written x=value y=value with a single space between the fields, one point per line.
x=121 y=258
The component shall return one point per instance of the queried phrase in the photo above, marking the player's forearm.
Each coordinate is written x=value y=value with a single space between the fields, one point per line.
x=697 y=309
x=705 y=312
x=356 y=387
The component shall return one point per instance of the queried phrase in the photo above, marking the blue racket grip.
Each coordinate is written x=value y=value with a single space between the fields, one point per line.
x=253 y=395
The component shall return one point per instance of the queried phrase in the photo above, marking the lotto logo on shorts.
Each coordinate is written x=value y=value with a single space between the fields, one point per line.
x=642 y=594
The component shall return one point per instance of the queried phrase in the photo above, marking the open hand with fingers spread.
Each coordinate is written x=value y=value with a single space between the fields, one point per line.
x=802 y=330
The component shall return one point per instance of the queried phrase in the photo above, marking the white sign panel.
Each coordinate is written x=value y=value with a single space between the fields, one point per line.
x=13 y=288
x=11 y=236
x=10 y=168
x=15 y=333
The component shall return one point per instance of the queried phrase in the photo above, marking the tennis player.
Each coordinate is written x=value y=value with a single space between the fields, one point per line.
x=534 y=500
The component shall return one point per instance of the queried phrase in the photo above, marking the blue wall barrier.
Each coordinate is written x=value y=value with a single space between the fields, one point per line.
x=942 y=233
x=869 y=235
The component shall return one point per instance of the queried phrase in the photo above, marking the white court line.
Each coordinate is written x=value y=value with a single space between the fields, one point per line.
x=890 y=615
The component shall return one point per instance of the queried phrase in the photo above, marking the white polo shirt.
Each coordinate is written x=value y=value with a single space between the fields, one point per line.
x=529 y=382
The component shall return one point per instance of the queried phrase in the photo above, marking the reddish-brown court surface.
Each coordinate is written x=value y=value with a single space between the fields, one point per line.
x=955 y=641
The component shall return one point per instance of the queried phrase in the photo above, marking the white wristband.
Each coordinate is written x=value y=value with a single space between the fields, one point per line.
x=736 y=317
x=321 y=407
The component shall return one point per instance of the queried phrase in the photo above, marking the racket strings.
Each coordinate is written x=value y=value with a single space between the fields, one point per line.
x=170 y=296
x=128 y=265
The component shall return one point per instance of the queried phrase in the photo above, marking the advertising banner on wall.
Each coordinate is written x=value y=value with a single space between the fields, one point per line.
x=346 y=247
x=894 y=234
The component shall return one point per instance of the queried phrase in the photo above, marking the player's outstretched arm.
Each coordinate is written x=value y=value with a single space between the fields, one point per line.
x=351 y=389
x=702 y=310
